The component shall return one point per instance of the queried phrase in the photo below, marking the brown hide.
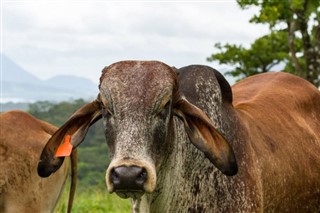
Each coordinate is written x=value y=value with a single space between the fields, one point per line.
x=22 y=139
x=281 y=114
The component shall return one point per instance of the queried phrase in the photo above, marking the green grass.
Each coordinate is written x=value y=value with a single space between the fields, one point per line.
x=94 y=200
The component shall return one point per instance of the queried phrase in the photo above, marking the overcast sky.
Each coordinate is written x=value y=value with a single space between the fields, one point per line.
x=48 y=38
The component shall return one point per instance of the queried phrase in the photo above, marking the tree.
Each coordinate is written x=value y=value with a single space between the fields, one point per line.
x=55 y=114
x=299 y=20
x=262 y=56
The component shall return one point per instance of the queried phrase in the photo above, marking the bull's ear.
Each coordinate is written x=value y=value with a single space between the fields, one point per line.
x=205 y=137
x=75 y=129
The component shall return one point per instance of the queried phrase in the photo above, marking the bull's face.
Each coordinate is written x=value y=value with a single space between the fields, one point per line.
x=137 y=101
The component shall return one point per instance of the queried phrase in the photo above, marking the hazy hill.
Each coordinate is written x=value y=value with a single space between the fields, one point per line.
x=18 y=85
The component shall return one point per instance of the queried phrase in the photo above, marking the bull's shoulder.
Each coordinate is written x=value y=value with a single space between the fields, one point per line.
x=273 y=104
x=18 y=119
x=275 y=90
x=20 y=129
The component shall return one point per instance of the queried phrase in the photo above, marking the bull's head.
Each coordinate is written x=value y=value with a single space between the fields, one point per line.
x=137 y=101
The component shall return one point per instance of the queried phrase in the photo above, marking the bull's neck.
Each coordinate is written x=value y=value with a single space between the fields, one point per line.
x=185 y=177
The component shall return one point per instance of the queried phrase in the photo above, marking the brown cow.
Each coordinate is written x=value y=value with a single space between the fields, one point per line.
x=191 y=143
x=22 y=139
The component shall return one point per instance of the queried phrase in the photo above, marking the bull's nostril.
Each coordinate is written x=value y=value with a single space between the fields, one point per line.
x=114 y=177
x=128 y=178
x=142 y=177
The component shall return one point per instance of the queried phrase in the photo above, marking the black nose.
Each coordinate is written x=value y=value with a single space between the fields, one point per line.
x=128 y=178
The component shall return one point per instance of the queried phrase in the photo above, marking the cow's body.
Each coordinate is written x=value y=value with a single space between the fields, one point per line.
x=158 y=133
x=21 y=189
x=281 y=114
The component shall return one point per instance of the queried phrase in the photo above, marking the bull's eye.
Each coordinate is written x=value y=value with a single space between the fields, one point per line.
x=106 y=112
x=164 y=111
x=106 y=106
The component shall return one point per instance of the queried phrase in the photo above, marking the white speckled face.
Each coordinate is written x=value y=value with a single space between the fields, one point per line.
x=136 y=99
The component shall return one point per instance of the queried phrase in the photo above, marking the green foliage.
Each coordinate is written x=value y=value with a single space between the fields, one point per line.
x=294 y=40
x=93 y=162
x=263 y=54
x=274 y=12
x=55 y=114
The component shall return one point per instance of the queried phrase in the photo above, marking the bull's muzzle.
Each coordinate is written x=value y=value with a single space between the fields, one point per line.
x=129 y=179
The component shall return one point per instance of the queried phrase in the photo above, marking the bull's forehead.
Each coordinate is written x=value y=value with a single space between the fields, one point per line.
x=136 y=84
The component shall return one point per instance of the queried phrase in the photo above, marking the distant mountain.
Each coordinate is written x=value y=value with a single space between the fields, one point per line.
x=12 y=72
x=18 y=85
x=71 y=82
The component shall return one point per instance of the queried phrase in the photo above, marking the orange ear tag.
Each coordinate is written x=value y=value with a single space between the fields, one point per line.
x=65 y=148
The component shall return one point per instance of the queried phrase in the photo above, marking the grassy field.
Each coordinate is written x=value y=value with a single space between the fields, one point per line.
x=94 y=200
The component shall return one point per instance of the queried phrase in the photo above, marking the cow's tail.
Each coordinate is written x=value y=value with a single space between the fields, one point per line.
x=74 y=174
